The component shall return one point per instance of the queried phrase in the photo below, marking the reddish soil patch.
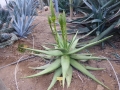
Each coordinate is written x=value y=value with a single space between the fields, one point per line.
x=41 y=35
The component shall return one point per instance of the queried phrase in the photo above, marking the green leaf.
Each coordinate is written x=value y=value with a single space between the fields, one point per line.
x=88 y=45
x=69 y=76
x=84 y=57
x=57 y=73
x=50 y=52
x=61 y=45
x=93 y=68
x=44 y=56
x=41 y=67
x=46 y=48
x=73 y=39
x=65 y=63
x=53 y=66
x=74 y=44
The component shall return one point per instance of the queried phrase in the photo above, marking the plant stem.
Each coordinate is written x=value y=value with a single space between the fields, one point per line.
x=71 y=9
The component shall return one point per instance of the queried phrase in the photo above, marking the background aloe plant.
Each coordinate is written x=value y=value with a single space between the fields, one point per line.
x=66 y=56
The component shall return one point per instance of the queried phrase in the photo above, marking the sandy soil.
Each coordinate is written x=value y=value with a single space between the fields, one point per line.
x=41 y=35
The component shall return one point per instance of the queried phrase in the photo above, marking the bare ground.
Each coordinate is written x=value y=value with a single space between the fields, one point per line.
x=41 y=35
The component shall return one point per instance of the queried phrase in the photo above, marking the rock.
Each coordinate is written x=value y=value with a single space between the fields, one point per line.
x=5 y=37
x=9 y=42
x=39 y=11
x=46 y=8
x=99 y=87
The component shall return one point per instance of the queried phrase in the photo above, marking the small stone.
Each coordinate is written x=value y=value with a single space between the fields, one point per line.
x=110 y=75
x=99 y=87
x=46 y=8
x=39 y=11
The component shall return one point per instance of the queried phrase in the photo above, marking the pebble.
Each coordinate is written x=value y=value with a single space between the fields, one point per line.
x=110 y=75
x=99 y=87
x=46 y=8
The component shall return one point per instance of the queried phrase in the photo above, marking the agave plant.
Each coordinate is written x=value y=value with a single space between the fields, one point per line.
x=22 y=12
x=65 y=54
x=105 y=12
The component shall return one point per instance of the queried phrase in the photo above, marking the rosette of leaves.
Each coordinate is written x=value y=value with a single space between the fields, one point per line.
x=65 y=55
x=104 y=14
x=22 y=12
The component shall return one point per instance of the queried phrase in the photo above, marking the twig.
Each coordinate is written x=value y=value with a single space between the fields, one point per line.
x=16 y=68
x=33 y=43
x=29 y=57
x=114 y=72
x=79 y=76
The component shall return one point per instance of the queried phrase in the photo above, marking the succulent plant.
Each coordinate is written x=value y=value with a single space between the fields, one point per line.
x=104 y=14
x=22 y=12
x=65 y=55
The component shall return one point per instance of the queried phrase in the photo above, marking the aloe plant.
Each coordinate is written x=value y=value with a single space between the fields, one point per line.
x=65 y=54
x=22 y=12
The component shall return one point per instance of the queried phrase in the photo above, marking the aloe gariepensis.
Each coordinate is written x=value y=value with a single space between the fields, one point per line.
x=65 y=55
